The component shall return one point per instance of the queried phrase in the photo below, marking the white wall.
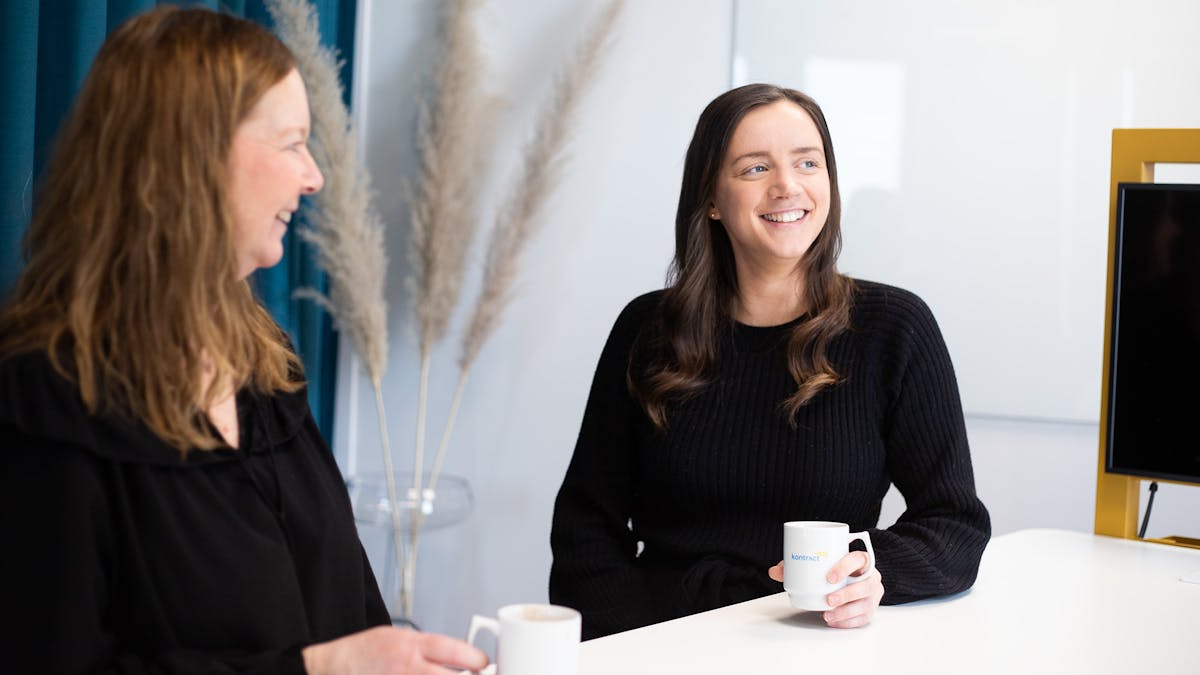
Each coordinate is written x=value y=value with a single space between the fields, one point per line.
x=607 y=238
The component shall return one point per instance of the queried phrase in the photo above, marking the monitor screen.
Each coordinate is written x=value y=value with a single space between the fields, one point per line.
x=1153 y=393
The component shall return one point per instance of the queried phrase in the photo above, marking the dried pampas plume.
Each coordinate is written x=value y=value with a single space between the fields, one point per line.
x=443 y=210
x=520 y=216
x=345 y=230
x=542 y=157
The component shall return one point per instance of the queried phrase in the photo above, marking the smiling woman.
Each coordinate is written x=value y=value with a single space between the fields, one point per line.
x=168 y=502
x=760 y=387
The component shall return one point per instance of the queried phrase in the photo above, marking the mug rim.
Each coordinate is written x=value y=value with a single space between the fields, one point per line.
x=546 y=612
x=816 y=524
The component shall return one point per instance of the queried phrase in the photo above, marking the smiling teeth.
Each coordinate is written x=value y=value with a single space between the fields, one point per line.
x=285 y=216
x=785 y=217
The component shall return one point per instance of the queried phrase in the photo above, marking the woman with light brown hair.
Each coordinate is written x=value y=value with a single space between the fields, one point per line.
x=168 y=503
x=763 y=386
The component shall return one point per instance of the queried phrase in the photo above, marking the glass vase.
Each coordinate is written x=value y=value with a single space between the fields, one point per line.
x=448 y=502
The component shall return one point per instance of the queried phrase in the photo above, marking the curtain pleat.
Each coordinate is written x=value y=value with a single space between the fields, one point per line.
x=18 y=96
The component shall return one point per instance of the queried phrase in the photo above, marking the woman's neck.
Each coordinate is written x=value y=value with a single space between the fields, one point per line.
x=766 y=299
x=223 y=411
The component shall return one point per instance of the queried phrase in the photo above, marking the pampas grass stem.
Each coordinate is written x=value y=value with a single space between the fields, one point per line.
x=445 y=441
x=402 y=598
x=422 y=400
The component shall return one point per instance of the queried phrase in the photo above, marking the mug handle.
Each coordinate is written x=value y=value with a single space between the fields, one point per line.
x=490 y=625
x=865 y=538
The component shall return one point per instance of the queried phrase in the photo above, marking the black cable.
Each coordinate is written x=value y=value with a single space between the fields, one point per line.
x=1149 y=505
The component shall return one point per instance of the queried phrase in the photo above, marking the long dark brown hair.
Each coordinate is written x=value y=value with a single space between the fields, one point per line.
x=677 y=356
x=131 y=275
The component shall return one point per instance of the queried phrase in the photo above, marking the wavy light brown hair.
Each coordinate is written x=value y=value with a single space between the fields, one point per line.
x=131 y=278
x=677 y=357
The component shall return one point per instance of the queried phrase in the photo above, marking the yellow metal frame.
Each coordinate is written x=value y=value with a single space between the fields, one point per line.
x=1134 y=154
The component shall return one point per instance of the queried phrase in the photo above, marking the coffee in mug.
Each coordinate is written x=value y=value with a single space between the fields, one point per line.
x=810 y=549
x=532 y=639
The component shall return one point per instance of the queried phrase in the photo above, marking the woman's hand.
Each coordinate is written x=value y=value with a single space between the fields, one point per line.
x=853 y=605
x=396 y=651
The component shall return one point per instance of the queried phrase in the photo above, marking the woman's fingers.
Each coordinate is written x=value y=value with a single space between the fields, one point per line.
x=855 y=604
x=853 y=563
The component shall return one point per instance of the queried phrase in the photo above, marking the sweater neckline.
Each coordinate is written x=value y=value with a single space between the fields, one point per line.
x=747 y=329
x=763 y=338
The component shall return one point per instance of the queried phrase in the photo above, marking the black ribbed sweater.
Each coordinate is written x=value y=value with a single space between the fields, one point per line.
x=706 y=500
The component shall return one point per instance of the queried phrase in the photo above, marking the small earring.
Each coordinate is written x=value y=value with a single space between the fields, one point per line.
x=714 y=215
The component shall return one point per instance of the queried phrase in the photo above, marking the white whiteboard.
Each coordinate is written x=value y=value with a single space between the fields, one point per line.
x=973 y=143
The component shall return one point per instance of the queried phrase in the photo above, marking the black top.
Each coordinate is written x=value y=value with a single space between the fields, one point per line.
x=119 y=556
x=706 y=501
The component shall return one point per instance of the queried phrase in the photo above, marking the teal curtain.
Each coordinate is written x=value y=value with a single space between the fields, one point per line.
x=46 y=48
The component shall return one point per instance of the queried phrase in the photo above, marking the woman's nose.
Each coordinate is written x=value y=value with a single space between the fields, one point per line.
x=786 y=185
x=313 y=179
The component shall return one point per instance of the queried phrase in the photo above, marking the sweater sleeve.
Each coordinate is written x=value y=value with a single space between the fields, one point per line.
x=55 y=575
x=935 y=546
x=595 y=567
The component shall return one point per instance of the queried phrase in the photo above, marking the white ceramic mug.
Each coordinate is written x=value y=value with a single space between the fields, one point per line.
x=532 y=639
x=810 y=549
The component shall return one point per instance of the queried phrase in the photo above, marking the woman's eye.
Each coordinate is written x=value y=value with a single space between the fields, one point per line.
x=808 y=164
x=757 y=168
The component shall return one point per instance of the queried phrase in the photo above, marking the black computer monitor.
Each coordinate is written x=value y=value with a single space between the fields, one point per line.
x=1153 y=389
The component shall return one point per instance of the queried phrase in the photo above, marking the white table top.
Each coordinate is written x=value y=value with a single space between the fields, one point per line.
x=1046 y=601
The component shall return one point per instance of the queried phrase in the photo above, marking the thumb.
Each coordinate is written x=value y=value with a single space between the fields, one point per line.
x=776 y=572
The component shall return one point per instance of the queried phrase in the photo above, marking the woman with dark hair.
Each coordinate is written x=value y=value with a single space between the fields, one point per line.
x=762 y=386
x=168 y=503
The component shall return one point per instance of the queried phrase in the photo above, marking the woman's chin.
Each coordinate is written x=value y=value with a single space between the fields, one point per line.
x=265 y=260
x=271 y=259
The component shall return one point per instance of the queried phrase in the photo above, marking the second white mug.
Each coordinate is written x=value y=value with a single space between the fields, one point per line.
x=532 y=639
x=810 y=549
